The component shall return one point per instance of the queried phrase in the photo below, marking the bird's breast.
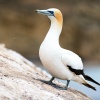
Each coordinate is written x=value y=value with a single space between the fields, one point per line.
x=51 y=59
x=48 y=54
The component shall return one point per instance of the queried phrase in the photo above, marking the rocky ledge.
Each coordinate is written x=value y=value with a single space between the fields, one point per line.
x=20 y=80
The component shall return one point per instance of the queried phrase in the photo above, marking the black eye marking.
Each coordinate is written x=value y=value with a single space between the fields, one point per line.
x=51 y=12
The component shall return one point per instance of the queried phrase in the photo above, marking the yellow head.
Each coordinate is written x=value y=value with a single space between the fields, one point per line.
x=53 y=14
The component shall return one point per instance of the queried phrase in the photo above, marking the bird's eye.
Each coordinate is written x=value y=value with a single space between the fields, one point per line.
x=51 y=12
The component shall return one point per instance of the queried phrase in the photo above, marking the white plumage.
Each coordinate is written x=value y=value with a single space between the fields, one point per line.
x=60 y=63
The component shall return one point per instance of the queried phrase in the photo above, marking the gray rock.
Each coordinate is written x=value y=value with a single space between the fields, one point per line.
x=19 y=80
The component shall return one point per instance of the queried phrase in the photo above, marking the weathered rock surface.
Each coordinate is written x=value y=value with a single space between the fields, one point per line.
x=19 y=80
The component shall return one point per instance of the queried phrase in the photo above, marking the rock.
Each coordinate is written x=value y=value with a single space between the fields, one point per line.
x=20 y=80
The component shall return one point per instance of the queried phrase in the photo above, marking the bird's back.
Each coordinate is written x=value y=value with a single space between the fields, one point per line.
x=72 y=59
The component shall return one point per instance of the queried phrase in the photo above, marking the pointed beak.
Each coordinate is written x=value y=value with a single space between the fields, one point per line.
x=44 y=12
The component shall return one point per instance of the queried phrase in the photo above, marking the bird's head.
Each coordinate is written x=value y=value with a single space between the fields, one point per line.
x=53 y=14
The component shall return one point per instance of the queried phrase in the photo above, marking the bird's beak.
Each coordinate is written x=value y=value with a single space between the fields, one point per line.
x=44 y=12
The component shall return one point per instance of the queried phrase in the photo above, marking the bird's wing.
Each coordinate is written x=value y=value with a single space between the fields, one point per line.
x=73 y=62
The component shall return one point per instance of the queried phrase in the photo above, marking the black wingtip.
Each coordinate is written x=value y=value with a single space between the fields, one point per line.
x=90 y=79
x=89 y=86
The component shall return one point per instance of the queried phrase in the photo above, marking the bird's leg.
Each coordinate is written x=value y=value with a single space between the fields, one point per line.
x=67 y=84
x=50 y=82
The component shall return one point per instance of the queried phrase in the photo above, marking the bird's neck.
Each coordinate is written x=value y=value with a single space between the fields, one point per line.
x=54 y=32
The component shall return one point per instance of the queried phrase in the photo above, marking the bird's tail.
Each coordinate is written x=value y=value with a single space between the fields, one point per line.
x=84 y=82
x=90 y=79
x=89 y=86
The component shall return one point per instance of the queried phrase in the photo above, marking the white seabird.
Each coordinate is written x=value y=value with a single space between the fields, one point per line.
x=61 y=63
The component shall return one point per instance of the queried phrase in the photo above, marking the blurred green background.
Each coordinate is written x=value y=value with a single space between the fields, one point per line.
x=23 y=30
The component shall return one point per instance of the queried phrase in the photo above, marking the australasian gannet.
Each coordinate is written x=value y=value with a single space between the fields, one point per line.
x=61 y=63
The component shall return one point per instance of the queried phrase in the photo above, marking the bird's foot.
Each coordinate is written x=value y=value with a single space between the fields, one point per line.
x=47 y=82
x=65 y=88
